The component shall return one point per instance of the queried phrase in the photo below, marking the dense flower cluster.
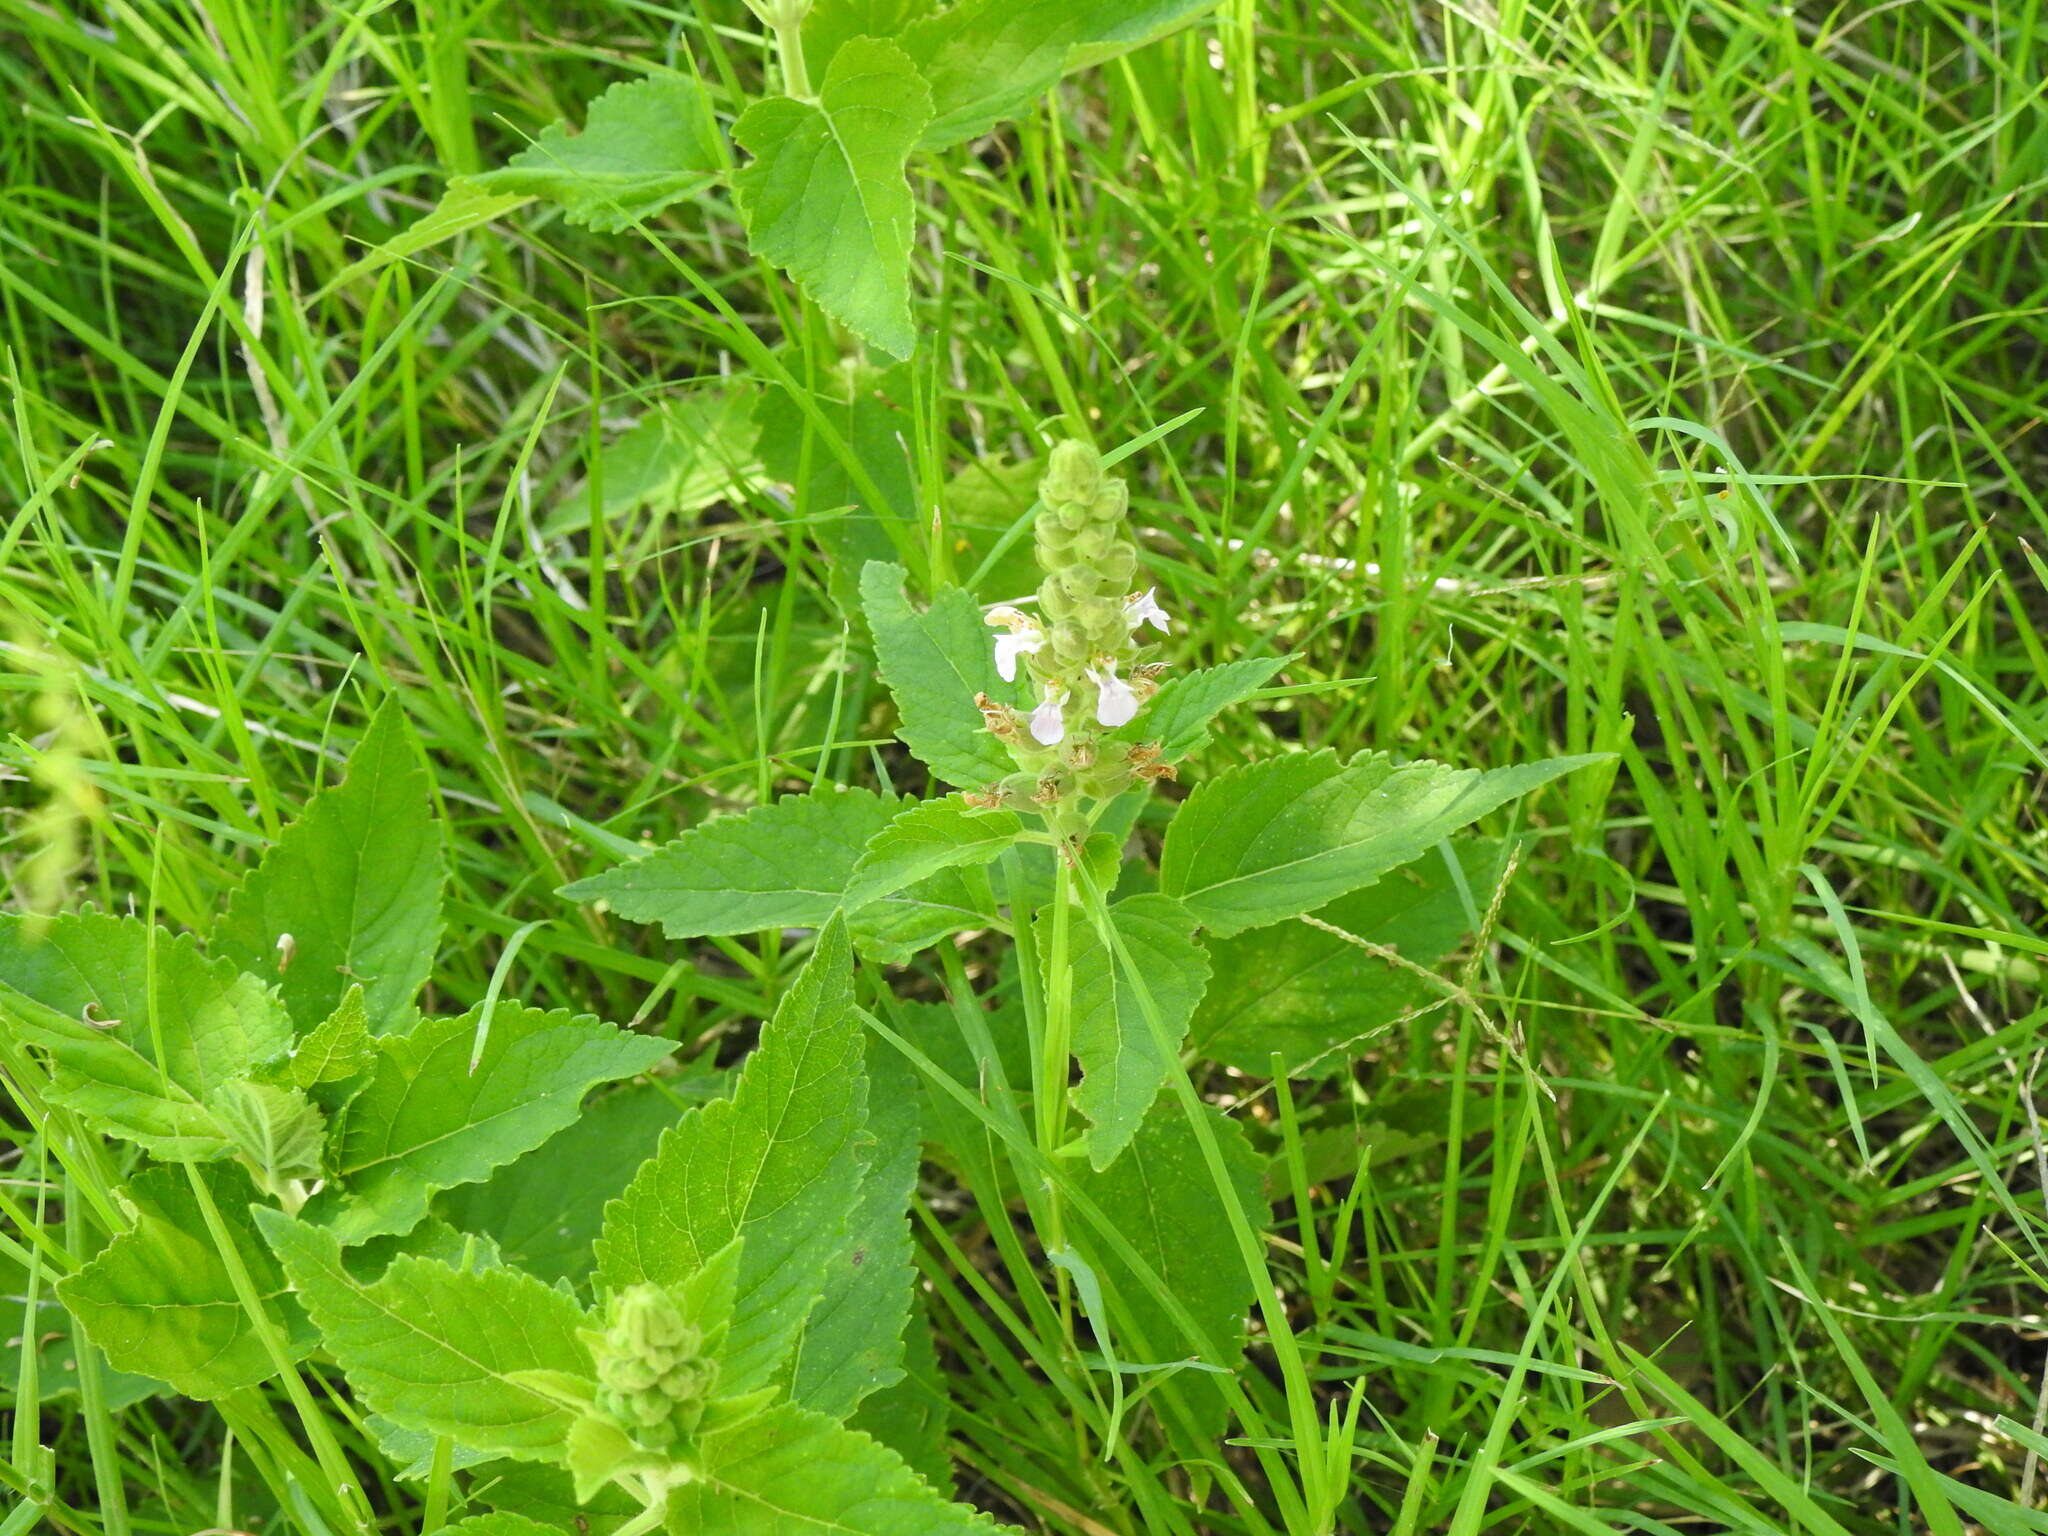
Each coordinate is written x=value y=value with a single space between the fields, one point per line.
x=654 y=1375
x=1082 y=653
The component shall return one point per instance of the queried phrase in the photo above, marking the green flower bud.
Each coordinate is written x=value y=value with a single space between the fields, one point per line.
x=1111 y=502
x=1053 y=601
x=1119 y=565
x=1092 y=543
x=1070 y=643
x=1081 y=580
x=1069 y=516
x=1073 y=473
x=1102 y=617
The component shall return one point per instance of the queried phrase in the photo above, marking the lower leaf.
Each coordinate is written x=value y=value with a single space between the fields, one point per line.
x=439 y=1349
x=160 y=1300
x=792 y=1472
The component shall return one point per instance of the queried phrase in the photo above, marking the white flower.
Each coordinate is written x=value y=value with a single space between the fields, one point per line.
x=1142 y=608
x=1114 y=701
x=1048 y=724
x=1025 y=638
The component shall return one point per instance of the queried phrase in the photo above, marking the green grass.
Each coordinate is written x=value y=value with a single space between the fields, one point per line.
x=1662 y=379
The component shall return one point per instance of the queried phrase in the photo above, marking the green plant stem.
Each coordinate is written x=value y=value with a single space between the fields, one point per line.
x=1317 y=1498
x=1057 y=1045
x=788 y=23
x=648 y=1518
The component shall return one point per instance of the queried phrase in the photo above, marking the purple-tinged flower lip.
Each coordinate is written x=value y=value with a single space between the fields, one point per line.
x=1048 y=721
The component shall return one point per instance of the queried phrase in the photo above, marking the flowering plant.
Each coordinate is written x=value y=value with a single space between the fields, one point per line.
x=718 y=1326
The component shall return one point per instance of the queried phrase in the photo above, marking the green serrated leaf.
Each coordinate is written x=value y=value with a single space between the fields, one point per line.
x=158 y=1300
x=826 y=197
x=426 y=1120
x=431 y=1239
x=1279 y=838
x=48 y=1328
x=411 y=1451
x=988 y=60
x=1122 y=1065
x=138 y=1026
x=1179 y=718
x=499 y=1523
x=598 y=1451
x=830 y=23
x=644 y=144
x=777 y=1165
x=338 y=1047
x=778 y=866
x=935 y=662
x=275 y=1129
x=1160 y=1197
x=356 y=884
x=853 y=1340
x=911 y=1416
x=437 y=1349
x=546 y=1209
x=1305 y=992
x=792 y=1472
x=930 y=836
x=896 y=927
x=546 y=1494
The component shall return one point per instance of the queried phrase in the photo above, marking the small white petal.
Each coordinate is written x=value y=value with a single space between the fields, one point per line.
x=1115 y=703
x=1010 y=647
x=1048 y=726
x=1143 y=609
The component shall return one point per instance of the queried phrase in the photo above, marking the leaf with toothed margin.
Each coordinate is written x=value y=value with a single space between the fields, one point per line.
x=935 y=662
x=928 y=837
x=644 y=144
x=138 y=1027
x=779 y=1165
x=782 y=865
x=1180 y=717
x=355 y=882
x=794 y=1472
x=1282 y=837
x=852 y=1341
x=785 y=865
x=1314 y=995
x=988 y=60
x=1123 y=1062
x=826 y=197
x=440 y=1349
x=159 y=1299
x=427 y=1120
